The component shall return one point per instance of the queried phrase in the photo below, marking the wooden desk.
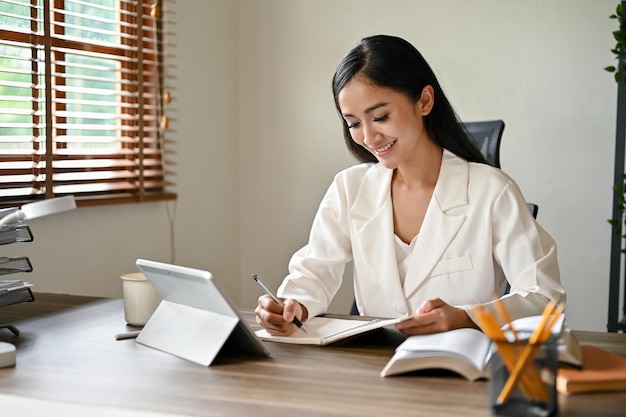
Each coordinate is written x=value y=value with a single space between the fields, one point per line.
x=72 y=356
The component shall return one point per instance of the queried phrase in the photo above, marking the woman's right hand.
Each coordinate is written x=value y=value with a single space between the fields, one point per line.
x=277 y=319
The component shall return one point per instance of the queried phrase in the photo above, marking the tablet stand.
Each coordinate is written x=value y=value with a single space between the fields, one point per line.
x=187 y=332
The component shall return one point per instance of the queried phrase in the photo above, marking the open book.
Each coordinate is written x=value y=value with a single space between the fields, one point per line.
x=324 y=330
x=467 y=351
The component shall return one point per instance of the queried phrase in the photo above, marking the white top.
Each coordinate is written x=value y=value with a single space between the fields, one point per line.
x=402 y=255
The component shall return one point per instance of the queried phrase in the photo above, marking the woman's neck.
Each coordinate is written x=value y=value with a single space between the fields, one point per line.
x=422 y=170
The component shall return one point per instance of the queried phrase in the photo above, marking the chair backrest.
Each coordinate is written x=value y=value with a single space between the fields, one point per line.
x=486 y=135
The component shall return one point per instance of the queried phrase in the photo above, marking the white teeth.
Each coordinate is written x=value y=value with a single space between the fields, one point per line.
x=385 y=148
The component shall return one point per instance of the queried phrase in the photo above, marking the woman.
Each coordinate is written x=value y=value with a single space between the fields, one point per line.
x=430 y=227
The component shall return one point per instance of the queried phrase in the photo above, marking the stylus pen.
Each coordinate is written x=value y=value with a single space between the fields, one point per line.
x=269 y=292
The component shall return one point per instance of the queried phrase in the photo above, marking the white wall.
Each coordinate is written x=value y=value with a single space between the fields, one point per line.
x=253 y=97
x=536 y=64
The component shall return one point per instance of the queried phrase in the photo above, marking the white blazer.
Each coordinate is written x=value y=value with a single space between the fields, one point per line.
x=477 y=232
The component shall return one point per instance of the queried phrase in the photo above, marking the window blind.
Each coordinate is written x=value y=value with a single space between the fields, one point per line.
x=82 y=101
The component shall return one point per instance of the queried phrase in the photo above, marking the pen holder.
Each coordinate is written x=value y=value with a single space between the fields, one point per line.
x=522 y=379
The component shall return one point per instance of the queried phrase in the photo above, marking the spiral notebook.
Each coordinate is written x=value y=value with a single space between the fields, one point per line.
x=325 y=330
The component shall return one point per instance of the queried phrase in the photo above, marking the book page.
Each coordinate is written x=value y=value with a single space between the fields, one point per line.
x=325 y=330
x=568 y=347
x=471 y=344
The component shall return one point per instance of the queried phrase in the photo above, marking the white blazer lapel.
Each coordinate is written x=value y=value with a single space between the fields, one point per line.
x=439 y=227
x=372 y=217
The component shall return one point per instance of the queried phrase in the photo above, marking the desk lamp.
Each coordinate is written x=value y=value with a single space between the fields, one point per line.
x=28 y=212
x=39 y=209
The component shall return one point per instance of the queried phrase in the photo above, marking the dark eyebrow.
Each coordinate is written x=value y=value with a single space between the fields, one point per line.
x=368 y=110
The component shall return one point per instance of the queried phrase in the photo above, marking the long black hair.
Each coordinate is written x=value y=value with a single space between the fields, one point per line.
x=392 y=62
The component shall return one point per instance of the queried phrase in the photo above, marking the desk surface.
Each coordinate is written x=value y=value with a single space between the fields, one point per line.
x=72 y=356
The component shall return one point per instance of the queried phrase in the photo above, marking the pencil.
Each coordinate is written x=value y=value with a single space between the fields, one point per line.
x=269 y=292
x=507 y=351
x=539 y=336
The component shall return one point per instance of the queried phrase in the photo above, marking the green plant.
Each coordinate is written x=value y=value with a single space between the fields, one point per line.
x=619 y=51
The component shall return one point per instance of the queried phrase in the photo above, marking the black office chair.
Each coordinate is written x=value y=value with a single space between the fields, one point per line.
x=487 y=135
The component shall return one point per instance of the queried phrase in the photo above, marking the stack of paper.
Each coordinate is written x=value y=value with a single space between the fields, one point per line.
x=13 y=284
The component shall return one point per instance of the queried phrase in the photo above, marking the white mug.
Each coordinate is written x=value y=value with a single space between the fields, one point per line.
x=140 y=298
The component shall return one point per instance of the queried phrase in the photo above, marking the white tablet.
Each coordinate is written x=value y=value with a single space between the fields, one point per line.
x=196 y=319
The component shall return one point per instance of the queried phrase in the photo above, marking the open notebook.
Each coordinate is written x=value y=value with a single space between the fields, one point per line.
x=325 y=330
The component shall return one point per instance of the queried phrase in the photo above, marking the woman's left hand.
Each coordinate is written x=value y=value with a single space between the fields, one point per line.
x=435 y=316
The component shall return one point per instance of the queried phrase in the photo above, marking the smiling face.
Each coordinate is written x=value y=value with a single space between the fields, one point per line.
x=385 y=122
